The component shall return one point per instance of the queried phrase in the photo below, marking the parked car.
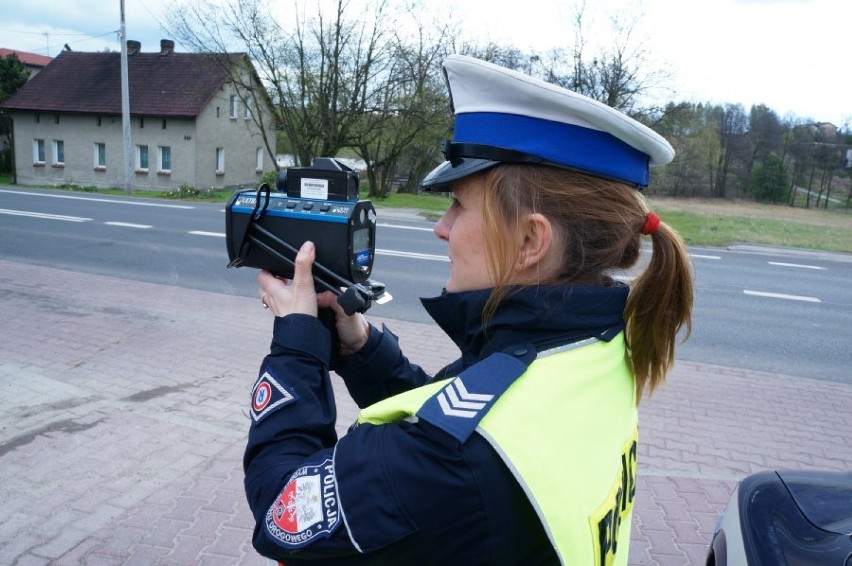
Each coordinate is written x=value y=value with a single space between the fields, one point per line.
x=778 y=518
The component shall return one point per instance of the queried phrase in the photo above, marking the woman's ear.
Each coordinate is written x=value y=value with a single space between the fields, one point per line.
x=538 y=240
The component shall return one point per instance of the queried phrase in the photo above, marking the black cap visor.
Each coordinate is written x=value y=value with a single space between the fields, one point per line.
x=442 y=176
x=465 y=159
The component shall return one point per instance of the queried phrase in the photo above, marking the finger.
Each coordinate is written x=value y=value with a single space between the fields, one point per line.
x=302 y=276
x=327 y=299
x=263 y=278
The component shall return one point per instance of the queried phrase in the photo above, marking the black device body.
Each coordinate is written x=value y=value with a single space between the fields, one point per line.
x=265 y=229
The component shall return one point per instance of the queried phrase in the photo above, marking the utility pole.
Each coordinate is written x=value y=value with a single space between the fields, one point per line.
x=125 y=109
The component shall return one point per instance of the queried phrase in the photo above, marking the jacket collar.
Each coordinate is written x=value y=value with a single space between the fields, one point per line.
x=542 y=315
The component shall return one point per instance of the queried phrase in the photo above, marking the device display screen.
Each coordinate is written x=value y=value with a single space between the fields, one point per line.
x=361 y=240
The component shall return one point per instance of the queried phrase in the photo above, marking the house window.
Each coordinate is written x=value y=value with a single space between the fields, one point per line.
x=220 y=160
x=164 y=123
x=165 y=156
x=141 y=122
x=233 y=112
x=58 y=152
x=38 y=152
x=100 y=155
x=258 y=160
x=56 y=118
x=38 y=118
x=247 y=111
x=142 y=158
x=99 y=120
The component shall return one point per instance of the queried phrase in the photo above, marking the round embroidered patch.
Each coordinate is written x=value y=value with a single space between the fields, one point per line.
x=262 y=396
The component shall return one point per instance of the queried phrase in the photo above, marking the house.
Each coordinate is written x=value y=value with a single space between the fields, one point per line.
x=32 y=61
x=192 y=121
x=827 y=130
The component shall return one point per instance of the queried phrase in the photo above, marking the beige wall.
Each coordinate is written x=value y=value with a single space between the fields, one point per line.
x=193 y=149
x=240 y=138
x=80 y=133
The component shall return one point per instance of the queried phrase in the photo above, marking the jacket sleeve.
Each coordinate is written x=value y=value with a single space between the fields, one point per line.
x=313 y=498
x=379 y=370
x=292 y=408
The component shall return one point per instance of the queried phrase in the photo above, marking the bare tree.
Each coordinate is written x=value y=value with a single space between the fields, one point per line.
x=618 y=73
x=732 y=124
x=208 y=27
x=404 y=125
x=321 y=76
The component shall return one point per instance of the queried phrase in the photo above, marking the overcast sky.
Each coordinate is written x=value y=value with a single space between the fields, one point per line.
x=791 y=55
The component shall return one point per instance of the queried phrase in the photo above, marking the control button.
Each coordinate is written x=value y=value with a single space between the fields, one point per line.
x=291 y=204
x=308 y=206
x=325 y=208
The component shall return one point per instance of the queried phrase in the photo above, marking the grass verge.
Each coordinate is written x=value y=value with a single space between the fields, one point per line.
x=725 y=223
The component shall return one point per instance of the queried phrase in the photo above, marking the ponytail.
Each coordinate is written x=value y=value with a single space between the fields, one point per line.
x=659 y=305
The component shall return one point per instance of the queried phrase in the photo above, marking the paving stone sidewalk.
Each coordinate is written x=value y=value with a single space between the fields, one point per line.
x=123 y=418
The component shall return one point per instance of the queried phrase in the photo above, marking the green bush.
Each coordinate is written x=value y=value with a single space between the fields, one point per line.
x=269 y=178
x=769 y=180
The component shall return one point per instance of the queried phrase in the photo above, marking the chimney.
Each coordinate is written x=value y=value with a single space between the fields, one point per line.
x=133 y=47
x=166 y=46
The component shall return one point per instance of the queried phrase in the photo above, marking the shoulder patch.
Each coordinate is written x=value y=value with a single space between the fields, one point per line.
x=307 y=508
x=459 y=406
x=267 y=396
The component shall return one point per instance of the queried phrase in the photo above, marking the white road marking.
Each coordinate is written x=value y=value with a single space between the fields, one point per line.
x=782 y=296
x=128 y=225
x=405 y=227
x=203 y=233
x=93 y=199
x=430 y=257
x=799 y=265
x=44 y=215
x=700 y=256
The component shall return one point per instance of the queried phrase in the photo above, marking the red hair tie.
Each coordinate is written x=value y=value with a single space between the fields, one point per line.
x=652 y=224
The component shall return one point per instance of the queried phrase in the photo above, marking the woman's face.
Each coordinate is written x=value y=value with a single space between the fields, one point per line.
x=461 y=227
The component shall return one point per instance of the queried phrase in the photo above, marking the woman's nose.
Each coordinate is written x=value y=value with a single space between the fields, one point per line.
x=442 y=226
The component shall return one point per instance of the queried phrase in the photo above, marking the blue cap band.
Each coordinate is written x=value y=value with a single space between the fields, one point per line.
x=575 y=147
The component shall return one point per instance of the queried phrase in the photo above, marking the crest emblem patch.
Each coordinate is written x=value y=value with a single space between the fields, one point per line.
x=306 y=509
x=267 y=396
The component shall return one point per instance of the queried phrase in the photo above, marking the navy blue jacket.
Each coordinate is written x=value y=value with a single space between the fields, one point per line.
x=403 y=493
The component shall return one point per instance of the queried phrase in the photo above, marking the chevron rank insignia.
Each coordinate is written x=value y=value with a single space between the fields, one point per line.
x=459 y=406
x=456 y=401
x=267 y=396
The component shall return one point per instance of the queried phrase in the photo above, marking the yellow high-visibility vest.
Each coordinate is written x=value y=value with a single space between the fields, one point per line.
x=567 y=428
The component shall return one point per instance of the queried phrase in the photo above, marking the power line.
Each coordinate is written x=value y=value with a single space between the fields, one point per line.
x=83 y=38
x=60 y=34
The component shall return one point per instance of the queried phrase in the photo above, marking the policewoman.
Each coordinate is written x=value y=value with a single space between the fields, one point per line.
x=522 y=451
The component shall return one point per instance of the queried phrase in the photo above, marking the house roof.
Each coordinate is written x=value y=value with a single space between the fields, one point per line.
x=170 y=84
x=29 y=59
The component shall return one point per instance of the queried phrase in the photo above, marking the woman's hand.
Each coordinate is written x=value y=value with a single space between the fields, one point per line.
x=352 y=331
x=285 y=296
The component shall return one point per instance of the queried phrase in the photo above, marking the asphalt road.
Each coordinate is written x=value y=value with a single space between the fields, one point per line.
x=785 y=311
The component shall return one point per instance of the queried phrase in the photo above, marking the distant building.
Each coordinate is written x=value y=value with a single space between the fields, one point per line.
x=190 y=124
x=32 y=61
x=826 y=129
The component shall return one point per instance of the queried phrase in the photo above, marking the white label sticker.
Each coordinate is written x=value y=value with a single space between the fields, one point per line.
x=315 y=189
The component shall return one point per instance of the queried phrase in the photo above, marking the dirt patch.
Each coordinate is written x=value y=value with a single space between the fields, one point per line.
x=747 y=209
